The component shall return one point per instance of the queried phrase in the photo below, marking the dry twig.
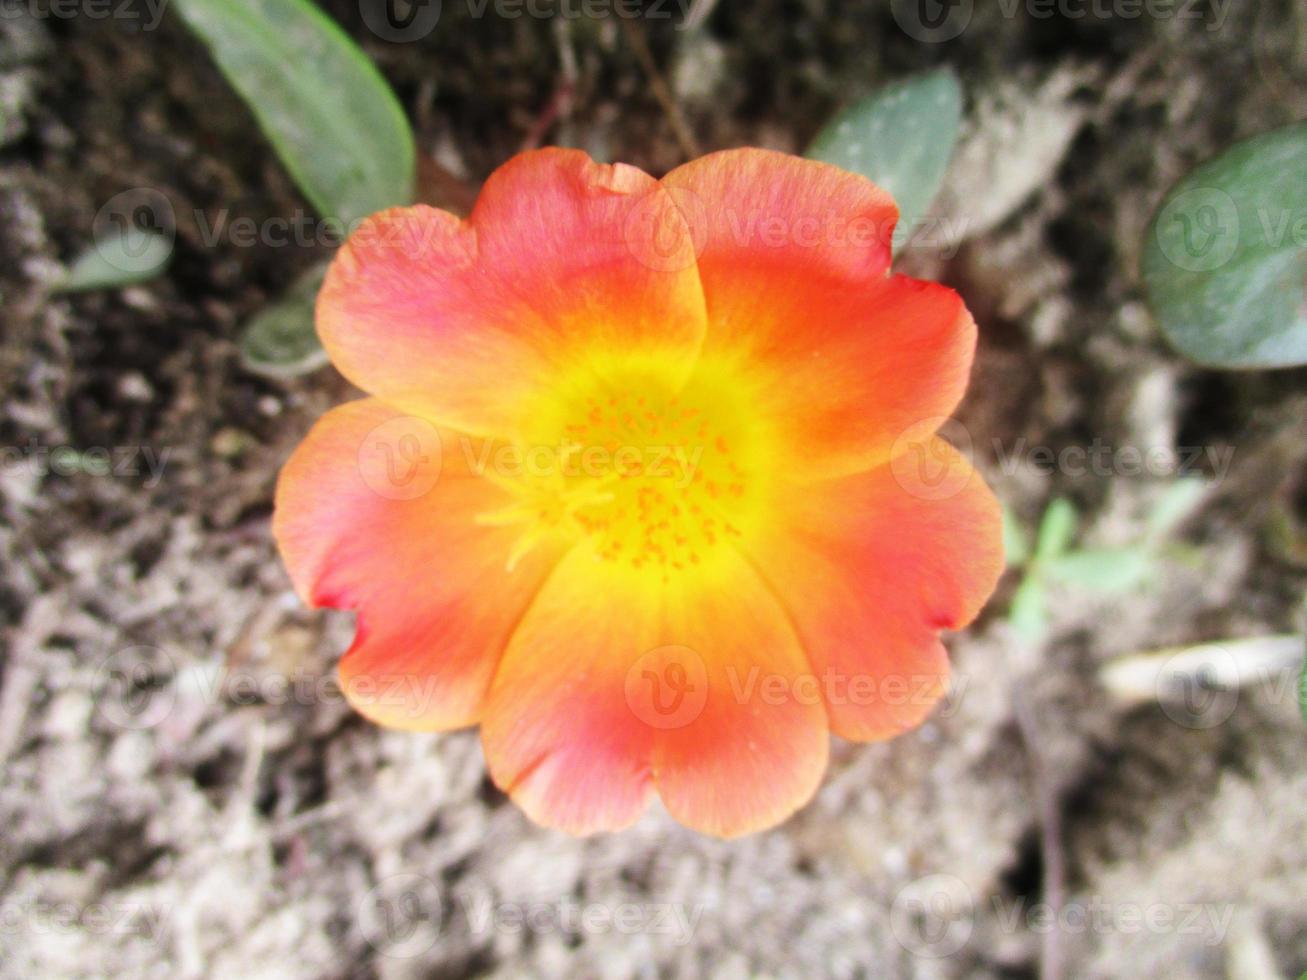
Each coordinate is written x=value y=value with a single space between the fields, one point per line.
x=680 y=129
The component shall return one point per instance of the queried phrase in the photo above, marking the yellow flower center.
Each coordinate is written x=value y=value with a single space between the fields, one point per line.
x=654 y=472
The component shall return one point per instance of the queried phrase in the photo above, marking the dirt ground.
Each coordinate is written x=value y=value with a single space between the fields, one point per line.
x=184 y=793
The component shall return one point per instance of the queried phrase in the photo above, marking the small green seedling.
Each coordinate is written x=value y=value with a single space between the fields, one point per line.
x=1107 y=571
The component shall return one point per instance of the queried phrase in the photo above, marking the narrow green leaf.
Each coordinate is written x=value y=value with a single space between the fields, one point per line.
x=1225 y=260
x=325 y=108
x=1302 y=690
x=1056 y=529
x=1015 y=546
x=119 y=258
x=1027 y=613
x=901 y=137
x=280 y=340
x=1302 y=676
x=1177 y=502
x=1105 y=570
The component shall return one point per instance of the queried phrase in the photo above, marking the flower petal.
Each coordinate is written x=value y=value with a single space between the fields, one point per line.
x=872 y=566
x=377 y=511
x=612 y=685
x=759 y=748
x=761 y=212
x=560 y=263
x=796 y=288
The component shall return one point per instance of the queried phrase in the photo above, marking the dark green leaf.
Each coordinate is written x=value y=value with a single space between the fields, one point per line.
x=322 y=104
x=1225 y=260
x=280 y=340
x=901 y=137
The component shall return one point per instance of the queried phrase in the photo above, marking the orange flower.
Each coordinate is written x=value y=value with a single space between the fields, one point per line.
x=648 y=485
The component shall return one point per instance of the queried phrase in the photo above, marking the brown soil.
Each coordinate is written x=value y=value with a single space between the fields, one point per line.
x=215 y=834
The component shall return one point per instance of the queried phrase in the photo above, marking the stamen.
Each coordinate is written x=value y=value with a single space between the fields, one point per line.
x=655 y=480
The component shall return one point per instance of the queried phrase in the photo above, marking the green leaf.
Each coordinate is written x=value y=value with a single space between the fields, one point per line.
x=1056 y=529
x=1105 y=570
x=119 y=258
x=280 y=340
x=325 y=108
x=901 y=137
x=1302 y=690
x=1015 y=546
x=1027 y=613
x=1225 y=260
x=1177 y=502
